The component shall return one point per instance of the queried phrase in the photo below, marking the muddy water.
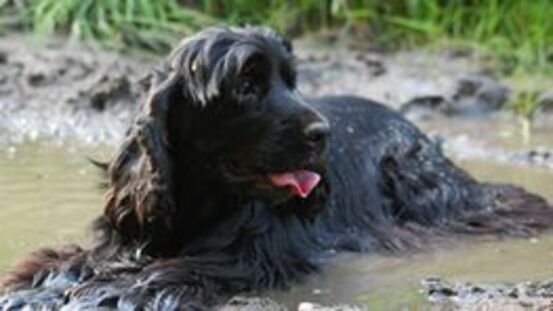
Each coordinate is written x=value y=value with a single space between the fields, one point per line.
x=493 y=134
x=50 y=193
x=393 y=283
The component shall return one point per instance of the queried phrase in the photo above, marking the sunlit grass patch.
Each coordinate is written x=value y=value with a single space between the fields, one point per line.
x=518 y=33
x=152 y=25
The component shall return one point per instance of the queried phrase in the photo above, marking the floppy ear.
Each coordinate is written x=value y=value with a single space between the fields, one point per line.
x=139 y=202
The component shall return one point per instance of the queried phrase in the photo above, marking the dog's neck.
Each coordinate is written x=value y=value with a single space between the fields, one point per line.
x=197 y=204
x=201 y=203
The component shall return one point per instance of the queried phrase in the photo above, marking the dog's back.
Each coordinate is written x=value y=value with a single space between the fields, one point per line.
x=388 y=179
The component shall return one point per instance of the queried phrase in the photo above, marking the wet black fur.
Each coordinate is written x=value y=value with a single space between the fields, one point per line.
x=190 y=218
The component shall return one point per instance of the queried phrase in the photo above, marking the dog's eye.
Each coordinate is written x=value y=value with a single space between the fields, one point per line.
x=289 y=76
x=247 y=87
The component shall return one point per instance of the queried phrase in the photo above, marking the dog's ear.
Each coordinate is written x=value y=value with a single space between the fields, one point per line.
x=139 y=204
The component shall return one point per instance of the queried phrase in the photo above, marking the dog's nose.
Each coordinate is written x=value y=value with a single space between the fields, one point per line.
x=316 y=133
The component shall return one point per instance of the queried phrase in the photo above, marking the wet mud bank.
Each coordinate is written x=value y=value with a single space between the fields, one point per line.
x=537 y=295
x=63 y=91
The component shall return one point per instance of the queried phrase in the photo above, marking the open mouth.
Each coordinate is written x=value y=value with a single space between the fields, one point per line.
x=299 y=182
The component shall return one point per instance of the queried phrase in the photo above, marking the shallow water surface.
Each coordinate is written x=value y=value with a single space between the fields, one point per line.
x=50 y=194
x=499 y=137
x=393 y=283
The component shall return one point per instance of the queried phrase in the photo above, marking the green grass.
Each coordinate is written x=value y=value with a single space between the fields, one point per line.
x=9 y=15
x=524 y=106
x=519 y=33
x=146 y=24
x=290 y=17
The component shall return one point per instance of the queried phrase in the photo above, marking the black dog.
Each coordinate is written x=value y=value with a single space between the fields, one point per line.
x=231 y=181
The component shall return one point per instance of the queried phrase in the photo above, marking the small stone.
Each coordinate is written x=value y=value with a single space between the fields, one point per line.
x=513 y=293
x=3 y=57
x=545 y=103
x=251 y=304
x=372 y=63
x=448 y=292
x=306 y=306
x=546 y=99
x=478 y=94
x=424 y=107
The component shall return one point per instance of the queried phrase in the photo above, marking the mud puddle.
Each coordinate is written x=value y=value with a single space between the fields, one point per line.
x=496 y=138
x=394 y=283
x=50 y=194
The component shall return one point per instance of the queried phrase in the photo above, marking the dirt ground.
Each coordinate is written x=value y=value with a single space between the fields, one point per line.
x=90 y=94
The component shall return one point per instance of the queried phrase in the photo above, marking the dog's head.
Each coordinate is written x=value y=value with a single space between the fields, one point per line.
x=224 y=110
x=237 y=116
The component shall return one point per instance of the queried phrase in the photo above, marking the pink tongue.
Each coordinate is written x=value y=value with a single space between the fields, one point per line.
x=300 y=182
